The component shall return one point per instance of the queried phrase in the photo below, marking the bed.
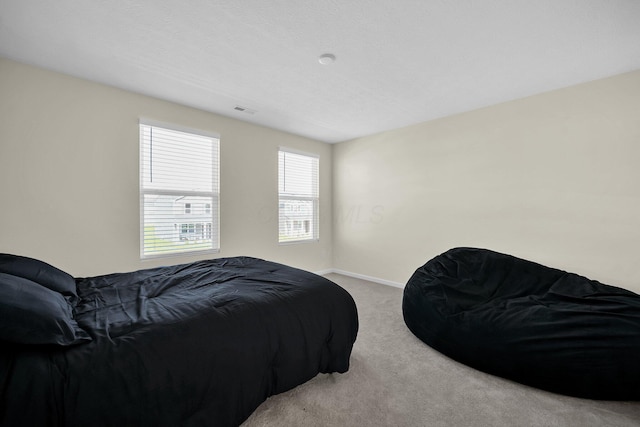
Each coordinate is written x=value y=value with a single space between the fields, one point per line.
x=195 y=344
x=527 y=322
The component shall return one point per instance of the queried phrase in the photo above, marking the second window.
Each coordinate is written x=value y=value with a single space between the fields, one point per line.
x=298 y=196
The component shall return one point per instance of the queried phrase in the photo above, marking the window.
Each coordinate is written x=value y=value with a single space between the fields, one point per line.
x=298 y=196
x=179 y=190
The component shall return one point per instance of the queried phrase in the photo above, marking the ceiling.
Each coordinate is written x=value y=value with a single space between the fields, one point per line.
x=397 y=62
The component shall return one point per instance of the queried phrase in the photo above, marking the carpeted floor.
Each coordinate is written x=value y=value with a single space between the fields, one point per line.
x=396 y=380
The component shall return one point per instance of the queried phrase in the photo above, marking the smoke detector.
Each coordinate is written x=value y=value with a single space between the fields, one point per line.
x=327 y=58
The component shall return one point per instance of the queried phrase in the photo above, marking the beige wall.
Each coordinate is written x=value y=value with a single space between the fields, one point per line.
x=554 y=178
x=69 y=176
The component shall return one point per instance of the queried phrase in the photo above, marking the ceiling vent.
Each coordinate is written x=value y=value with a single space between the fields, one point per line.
x=244 y=109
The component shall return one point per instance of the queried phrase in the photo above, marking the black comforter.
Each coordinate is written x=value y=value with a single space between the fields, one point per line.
x=200 y=344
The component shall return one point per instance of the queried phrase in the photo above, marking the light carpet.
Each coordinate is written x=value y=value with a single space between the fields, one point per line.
x=397 y=380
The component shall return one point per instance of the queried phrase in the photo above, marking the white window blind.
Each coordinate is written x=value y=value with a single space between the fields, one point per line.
x=298 y=196
x=179 y=191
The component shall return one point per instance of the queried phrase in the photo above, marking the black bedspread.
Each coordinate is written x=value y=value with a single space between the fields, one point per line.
x=199 y=344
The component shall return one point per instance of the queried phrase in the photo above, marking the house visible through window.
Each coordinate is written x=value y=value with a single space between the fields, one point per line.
x=298 y=196
x=179 y=190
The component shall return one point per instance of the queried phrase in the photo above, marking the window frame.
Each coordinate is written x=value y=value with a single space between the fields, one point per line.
x=214 y=194
x=314 y=199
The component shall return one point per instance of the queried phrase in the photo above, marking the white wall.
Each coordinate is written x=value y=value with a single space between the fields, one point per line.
x=69 y=176
x=553 y=178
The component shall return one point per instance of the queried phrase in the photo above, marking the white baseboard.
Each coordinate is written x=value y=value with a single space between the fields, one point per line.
x=362 y=276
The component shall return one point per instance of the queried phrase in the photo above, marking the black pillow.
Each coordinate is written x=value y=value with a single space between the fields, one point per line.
x=39 y=272
x=33 y=314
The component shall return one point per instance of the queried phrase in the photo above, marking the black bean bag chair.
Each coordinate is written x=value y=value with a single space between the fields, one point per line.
x=523 y=321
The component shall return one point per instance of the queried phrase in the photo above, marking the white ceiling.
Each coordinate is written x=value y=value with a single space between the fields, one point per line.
x=398 y=62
